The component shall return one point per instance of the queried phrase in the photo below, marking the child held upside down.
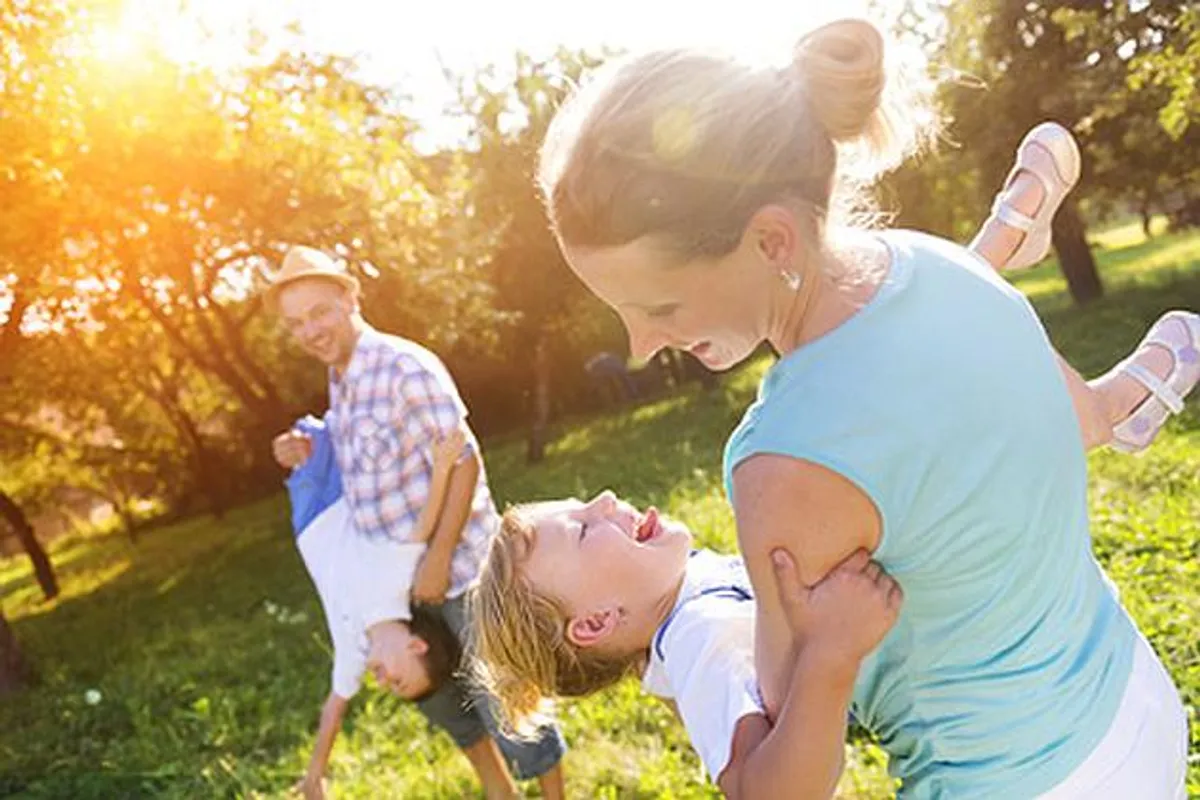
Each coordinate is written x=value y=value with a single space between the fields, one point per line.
x=363 y=585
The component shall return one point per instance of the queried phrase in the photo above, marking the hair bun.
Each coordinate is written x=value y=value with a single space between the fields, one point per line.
x=841 y=66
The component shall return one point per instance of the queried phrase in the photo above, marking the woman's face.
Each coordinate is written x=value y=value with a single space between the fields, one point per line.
x=715 y=309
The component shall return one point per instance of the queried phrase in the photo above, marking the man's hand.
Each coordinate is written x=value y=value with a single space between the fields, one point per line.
x=291 y=449
x=845 y=615
x=432 y=580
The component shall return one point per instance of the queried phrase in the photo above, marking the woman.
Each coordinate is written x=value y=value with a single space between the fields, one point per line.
x=915 y=412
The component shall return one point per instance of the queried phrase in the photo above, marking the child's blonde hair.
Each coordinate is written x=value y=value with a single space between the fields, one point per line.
x=519 y=643
x=687 y=146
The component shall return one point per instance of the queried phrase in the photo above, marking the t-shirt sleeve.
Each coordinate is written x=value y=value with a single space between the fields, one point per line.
x=349 y=664
x=709 y=668
x=428 y=404
x=385 y=572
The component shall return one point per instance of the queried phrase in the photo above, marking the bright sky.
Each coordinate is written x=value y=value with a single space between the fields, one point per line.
x=404 y=43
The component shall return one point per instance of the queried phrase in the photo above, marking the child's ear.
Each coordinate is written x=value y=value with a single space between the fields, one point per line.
x=593 y=628
x=418 y=645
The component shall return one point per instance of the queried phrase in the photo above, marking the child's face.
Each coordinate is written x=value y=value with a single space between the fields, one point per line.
x=396 y=659
x=604 y=555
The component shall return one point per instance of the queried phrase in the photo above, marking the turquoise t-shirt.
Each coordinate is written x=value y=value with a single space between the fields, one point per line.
x=942 y=401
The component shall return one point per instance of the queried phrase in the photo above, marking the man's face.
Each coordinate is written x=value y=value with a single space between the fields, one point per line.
x=319 y=316
x=397 y=658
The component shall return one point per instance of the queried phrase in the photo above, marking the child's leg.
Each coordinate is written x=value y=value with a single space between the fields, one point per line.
x=552 y=784
x=1017 y=233
x=489 y=765
x=1034 y=190
x=1095 y=422
x=996 y=242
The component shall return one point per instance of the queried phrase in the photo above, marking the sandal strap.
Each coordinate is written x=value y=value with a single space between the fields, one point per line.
x=1011 y=217
x=1169 y=397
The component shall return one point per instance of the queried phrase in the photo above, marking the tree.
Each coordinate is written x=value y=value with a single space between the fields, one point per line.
x=15 y=672
x=32 y=101
x=1141 y=141
x=172 y=190
x=11 y=513
x=1120 y=75
x=1014 y=48
x=550 y=316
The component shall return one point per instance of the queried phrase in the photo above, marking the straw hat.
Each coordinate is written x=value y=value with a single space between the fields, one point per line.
x=306 y=262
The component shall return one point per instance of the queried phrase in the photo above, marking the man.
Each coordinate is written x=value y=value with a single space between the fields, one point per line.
x=391 y=400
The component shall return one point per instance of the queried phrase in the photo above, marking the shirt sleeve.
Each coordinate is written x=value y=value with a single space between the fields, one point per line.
x=427 y=403
x=349 y=664
x=709 y=665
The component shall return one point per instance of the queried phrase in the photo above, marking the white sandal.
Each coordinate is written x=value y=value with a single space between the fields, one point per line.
x=1049 y=153
x=1179 y=333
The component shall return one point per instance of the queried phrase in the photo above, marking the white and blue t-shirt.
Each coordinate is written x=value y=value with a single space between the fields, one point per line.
x=702 y=656
x=360 y=581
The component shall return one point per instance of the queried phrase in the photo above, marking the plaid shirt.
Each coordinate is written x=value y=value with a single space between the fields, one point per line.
x=394 y=401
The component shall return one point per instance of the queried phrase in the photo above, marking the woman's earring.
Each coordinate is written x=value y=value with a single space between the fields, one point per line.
x=792 y=279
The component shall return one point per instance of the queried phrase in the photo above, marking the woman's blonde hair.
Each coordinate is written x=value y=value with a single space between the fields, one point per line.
x=520 y=651
x=687 y=146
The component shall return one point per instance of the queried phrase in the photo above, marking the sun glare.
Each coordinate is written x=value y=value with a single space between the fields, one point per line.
x=211 y=34
x=394 y=48
x=118 y=41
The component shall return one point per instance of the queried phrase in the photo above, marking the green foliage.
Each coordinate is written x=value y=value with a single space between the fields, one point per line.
x=1175 y=66
x=206 y=650
x=1121 y=75
x=140 y=203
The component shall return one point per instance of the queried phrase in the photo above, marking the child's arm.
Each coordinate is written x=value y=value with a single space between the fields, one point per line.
x=802 y=755
x=332 y=713
x=836 y=624
x=445 y=455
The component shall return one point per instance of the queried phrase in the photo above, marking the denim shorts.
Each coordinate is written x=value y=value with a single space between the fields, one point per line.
x=467 y=716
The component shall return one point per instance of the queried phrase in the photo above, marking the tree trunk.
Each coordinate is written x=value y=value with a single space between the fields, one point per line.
x=541 y=403
x=123 y=507
x=268 y=410
x=11 y=332
x=15 y=673
x=207 y=468
x=1078 y=265
x=42 y=568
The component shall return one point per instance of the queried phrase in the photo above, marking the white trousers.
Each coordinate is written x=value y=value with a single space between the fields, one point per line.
x=1144 y=754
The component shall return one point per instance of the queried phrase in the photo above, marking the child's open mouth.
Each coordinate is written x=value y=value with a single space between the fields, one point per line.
x=649 y=526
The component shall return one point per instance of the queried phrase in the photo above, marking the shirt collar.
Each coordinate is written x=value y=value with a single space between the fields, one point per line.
x=366 y=337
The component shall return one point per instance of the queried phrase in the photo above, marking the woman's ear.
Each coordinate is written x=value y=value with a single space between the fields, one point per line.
x=591 y=629
x=774 y=234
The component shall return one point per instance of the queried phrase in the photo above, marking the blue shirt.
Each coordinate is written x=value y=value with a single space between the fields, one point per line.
x=316 y=484
x=942 y=401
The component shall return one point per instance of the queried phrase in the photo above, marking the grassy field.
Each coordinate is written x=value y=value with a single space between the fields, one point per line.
x=193 y=664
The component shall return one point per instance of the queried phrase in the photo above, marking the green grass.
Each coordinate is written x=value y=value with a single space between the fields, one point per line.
x=205 y=693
